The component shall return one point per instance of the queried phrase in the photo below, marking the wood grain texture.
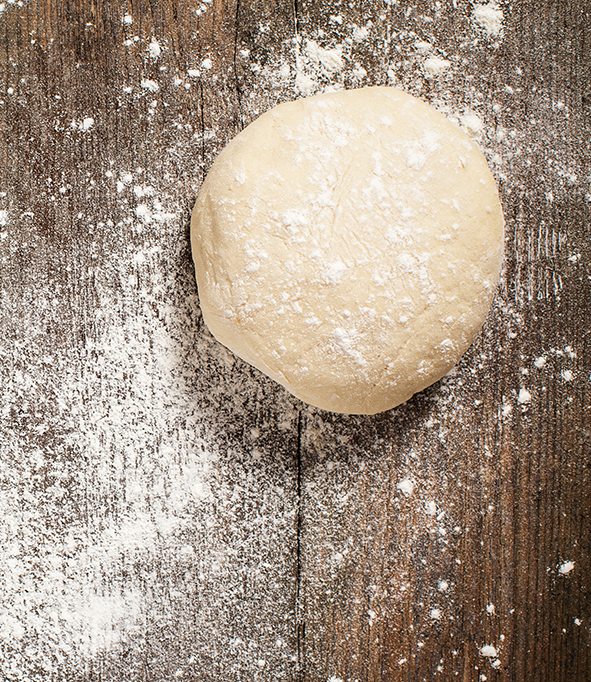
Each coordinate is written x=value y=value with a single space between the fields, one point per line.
x=167 y=512
x=150 y=493
x=411 y=587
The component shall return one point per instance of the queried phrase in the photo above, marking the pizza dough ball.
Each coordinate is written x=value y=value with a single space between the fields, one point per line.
x=348 y=245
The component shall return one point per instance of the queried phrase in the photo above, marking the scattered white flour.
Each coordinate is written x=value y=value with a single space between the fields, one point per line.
x=566 y=567
x=472 y=122
x=203 y=7
x=489 y=651
x=329 y=59
x=524 y=396
x=407 y=486
x=435 y=66
x=506 y=409
x=150 y=85
x=422 y=46
x=63 y=571
x=305 y=84
x=154 y=48
x=109 y=460
x=360 y=33
x=431 y=508
x=315 y=64
x=490 y=18
x=84 y=125
x=8 y=3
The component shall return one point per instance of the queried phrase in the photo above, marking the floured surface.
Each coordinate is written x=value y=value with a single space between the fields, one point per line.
x=118 y=487
x=349 y=246
x=168 y=513
x=148 y=507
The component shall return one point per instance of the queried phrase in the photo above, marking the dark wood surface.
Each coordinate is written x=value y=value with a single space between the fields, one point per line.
x=166 y=512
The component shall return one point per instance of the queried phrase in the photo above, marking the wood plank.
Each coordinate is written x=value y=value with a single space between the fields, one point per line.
x=450 y=524
x=148 y=477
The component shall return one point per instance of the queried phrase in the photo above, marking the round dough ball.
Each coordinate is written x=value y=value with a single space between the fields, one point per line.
x=348 y=245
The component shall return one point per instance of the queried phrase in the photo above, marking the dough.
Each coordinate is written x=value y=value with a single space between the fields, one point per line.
x=348 y=245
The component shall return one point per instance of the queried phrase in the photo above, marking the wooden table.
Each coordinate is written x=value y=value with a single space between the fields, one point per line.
x=168 y=513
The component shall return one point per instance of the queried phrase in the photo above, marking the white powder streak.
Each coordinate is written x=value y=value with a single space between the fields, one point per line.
x=154 y=49
x=434 y=66
x=330 y=59
x=566 y=567
x=127 y=414
x=150 y=85
x=490 y=18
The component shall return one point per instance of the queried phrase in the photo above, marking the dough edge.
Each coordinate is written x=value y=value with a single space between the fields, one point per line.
x=360 y=398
